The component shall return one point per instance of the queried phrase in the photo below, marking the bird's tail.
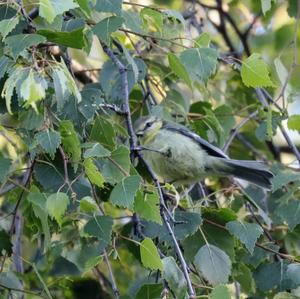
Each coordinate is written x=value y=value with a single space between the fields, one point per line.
x=251 y=171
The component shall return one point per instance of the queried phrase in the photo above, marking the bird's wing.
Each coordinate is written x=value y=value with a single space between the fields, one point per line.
x=210 y=149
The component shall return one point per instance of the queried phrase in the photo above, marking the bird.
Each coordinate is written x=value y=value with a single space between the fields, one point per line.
x=181 y=157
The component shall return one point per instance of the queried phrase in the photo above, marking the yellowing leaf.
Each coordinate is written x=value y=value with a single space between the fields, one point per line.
x=149 y=255
x=56 y=205
x=93 y=173
x=33 y=89
x=294 y=122
x=70 y=141
x=254 y=72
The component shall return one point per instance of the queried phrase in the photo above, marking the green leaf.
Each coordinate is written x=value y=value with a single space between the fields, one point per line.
x=179 y=69
x=203 y=40
x=285 y=295
x=266 y=5
x=152 y=18
x=64 y=85
x=190 y=224
x=7 y=25
x=294 y=122
x=268 y=276
x=133 y=21
x=113 y=6
x=4 y=63
x=213 y=263
x=56 y=205
x=70 y=141
x=174 y=14
x=33 y=89
x=201 y=63
x=93 y=173
x=244 y=276
x=150 y=291
x=124 y=192
x=10 y=280
x=132 y=63
x=283 y=178
x=71 y=85
x=38 y=202
x=289 y=212
x=147 y=206
x=5 y=164
x=220 y=292
x=149 y=255
x=19 y=42
x=88 y=205
x=282 y=74
x=73 y=39
x=247 y=233
x=97 y=150
x=100 y=227
x=174 y=277
x=293 y=273
x=106 y=27
x=117 y=166
x=5 y=243
x=104 y=133
x=292 y=8
x=254 y=72
x=49 y=9
x=10 y=84
x=84 y=5
x=49 y=141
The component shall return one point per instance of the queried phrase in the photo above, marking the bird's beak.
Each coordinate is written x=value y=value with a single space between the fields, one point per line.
x=139 y=133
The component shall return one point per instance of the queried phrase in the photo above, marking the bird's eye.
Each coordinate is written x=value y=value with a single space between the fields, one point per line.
x=148 y=125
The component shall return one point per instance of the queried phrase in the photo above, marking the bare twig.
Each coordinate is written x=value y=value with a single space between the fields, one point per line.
x=25 y=182
x=236 y=129
x=111 y=275
x=65 y=161
x=112 y=107
x=22 y=291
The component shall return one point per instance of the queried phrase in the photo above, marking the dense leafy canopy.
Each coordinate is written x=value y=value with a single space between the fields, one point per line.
x=81 y=215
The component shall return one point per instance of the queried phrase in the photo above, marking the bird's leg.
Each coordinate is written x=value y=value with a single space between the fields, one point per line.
x=172 y=198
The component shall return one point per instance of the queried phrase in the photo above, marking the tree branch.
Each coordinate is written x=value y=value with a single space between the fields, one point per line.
x=135 y=153
x=236 y=129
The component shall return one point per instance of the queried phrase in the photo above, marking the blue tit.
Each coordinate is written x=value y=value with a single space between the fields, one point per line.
x=179 y=156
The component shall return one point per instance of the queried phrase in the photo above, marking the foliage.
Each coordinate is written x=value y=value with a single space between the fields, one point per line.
x=81 y=215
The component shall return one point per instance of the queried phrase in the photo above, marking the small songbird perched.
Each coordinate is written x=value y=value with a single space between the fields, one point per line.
x=179 y=156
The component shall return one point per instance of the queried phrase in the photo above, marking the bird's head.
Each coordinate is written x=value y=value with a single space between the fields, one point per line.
x=146 y=127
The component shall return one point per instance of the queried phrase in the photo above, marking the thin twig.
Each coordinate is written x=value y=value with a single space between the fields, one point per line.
x=113 y=108
x=236 y=129
x=65 y=161
x=111 y=275
x=26 y=180
x=22 y=291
